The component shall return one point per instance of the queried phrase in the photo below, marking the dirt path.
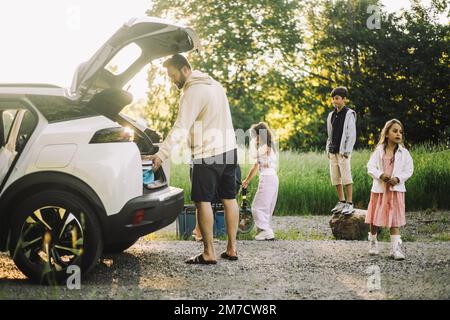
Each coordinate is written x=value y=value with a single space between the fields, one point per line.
x=265 y=270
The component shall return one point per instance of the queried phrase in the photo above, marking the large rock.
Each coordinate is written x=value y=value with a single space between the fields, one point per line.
x=350 y=227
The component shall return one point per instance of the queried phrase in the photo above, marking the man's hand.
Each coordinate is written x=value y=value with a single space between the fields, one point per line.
x=385 y=178
x=346 y=155
x=245 y=183
x=156 y=161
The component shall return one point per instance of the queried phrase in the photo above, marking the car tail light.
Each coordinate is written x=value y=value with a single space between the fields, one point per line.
x=138 y=216
x=118 y=134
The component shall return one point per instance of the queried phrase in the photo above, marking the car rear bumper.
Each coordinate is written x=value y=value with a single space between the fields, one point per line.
x=159 y=210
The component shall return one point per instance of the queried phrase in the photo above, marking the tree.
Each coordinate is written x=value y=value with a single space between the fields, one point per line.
x=246 y=45
x=279 y=60
x=400 y=70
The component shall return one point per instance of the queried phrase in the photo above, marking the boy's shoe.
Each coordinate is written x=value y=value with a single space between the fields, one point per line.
x=348 y=209
x=396 y=251
x=265 y=235
x=338 y=207
x=373 y=248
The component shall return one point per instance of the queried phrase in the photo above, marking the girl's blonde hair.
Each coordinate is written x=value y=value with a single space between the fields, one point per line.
x=262 y=130
x=385 y=131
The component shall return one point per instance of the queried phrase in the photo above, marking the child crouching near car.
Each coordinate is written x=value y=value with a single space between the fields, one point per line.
x=265 y=198
x=390 y=166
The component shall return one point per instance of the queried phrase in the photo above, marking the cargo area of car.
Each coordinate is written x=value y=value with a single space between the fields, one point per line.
x=110 y=103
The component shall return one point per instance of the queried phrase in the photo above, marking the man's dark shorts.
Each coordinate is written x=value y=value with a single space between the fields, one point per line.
x=214 y=175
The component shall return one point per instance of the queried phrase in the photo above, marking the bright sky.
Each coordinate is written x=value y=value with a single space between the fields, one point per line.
x=44 y=41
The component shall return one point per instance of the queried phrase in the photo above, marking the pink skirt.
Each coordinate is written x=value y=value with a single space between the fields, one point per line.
x=386 y=209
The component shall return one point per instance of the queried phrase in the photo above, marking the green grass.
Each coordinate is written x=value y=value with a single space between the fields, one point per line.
x=161 y=236
x=444 y=236
x=290 y=234
x=406 y=237
x=305 y=186
x=384 y=236
x=294 y=234
x=432 y=228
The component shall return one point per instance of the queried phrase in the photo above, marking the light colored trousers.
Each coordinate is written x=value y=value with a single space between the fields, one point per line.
x=264 y=201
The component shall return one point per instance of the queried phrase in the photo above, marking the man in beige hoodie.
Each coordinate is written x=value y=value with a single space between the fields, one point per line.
x=204 y=119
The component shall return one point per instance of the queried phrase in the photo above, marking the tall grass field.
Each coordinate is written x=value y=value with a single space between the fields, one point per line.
x=305 y=186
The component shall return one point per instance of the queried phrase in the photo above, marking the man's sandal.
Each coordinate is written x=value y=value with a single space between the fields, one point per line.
x=199 y=260
x=225 y=255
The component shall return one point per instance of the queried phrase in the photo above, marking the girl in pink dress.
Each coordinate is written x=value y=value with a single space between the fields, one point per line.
x=390 y=166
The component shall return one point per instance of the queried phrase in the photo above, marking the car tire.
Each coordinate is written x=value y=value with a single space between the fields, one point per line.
x=118 y=247
x=52 y=231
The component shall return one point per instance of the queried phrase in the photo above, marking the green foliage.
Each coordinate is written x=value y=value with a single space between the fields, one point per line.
x=279 y=61
x=249 y=46
x=400 y=70
x=163 y=100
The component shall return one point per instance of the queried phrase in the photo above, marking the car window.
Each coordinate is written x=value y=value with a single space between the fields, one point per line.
x=26 y=128
x=7 y=121
x=56 y=109
x=124 y=59
x=16 y=125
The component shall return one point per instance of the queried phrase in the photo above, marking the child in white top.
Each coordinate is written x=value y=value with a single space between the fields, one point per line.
x=266 y=196
x=390 y=166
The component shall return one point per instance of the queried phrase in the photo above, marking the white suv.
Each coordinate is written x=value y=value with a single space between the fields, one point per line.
x=71 y=174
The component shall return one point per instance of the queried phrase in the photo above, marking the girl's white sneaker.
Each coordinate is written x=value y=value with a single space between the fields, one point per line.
x=265 y=235
x=399 y=255
x=373 y=248
x=396 y=251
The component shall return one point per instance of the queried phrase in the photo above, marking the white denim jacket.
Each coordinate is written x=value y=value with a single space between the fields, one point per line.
x=403 y=169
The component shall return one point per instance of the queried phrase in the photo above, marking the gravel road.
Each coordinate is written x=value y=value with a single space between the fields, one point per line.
x=265 y=270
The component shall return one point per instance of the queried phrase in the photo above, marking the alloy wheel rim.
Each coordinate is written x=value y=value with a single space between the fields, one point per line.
x=53 y=238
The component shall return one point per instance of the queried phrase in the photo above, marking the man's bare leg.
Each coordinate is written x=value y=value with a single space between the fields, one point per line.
x=231 y=220
x=197 y=233
x=206 y=222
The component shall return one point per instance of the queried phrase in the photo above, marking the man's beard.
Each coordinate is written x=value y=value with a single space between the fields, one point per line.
x=180 y=84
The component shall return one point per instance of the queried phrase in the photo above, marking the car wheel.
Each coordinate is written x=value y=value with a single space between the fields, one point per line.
x=51 y=231
x=118 y=247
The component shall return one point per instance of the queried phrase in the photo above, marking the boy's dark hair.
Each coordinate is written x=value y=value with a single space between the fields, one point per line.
x=340 y=91
x=177 y=61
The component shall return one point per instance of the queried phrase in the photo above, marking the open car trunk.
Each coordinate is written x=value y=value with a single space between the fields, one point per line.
x=154 y=38
x=98 y=85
